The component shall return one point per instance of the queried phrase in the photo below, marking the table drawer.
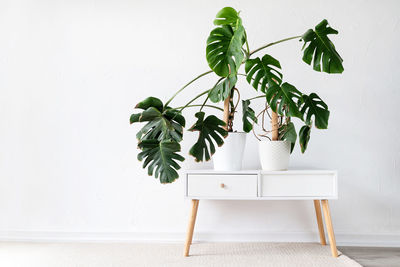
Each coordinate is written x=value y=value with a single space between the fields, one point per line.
x=222 y=186
x=307 y=185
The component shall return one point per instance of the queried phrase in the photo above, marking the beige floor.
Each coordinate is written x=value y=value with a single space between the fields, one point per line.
x=203 y=254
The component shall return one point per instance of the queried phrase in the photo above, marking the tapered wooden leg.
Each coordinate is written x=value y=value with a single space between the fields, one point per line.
x=329 y=227
x=192 y=221
x=321 y=231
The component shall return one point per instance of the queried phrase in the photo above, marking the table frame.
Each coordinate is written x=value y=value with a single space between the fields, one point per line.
x=318 y=202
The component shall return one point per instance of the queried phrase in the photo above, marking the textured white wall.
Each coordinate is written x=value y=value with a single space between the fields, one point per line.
x=72 y=71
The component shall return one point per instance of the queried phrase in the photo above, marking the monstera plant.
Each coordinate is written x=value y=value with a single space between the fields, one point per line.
x=227 y=50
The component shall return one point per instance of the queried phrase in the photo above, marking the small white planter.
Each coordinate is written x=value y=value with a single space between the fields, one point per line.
x=229 y=156
x=274 y=155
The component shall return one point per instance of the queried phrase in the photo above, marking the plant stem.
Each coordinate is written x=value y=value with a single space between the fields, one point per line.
x=274 y=43
x=248 y=49
x=191 y=101
x=210 y=106
x=241 y=74
x=186 y=85
x=204 y=103
x=260 y=96
x=208 y=96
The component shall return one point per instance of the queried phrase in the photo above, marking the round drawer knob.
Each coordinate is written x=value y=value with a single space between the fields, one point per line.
x=222 y=185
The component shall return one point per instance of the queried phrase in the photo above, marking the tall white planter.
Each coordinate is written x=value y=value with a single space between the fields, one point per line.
x=229 y=156
x=274 y=155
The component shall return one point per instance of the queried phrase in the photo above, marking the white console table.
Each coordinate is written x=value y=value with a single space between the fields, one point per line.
x=316 y=185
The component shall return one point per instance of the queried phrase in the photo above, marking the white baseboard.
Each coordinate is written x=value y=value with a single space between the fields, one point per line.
x=342 y=239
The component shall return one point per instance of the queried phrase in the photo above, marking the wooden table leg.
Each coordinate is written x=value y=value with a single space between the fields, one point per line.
x=192 y=221
x=329 y=227
x=321 y=231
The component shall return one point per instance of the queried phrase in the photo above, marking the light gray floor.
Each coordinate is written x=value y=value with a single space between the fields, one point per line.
x=373 y=257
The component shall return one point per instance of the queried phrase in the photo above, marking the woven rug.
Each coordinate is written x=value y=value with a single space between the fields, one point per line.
x=202 y=254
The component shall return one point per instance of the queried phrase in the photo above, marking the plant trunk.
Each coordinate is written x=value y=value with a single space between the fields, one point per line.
x=226 y=113
x=229 y=112
x=274 y=126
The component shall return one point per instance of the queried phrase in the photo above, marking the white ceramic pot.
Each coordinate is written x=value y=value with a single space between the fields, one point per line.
x=229 y=156
x=274 y=155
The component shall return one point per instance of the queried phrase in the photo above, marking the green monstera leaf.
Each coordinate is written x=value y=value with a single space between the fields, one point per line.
x=248 y=114
x=263 y=72
x=210 y=130
x=304 y=137
x=222 y=89
x=313 y=105
x=160 y=158
x=224 y=45
x=162 y=123
x=319 y=48
x=227 y=16
x=288 y=132
x=159 y=138
x=283 y=99
x=150 y=102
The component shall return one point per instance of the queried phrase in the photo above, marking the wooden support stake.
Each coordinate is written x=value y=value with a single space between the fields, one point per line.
x=274 y=126
x=226 y=113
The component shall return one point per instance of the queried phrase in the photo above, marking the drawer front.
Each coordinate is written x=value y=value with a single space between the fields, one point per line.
x=307 y=185
x=222 y=186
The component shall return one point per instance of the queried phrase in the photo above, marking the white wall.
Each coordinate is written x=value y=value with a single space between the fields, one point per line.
x=72 y=71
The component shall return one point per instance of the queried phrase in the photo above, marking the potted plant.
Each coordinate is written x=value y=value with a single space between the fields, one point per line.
x=226 y=51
